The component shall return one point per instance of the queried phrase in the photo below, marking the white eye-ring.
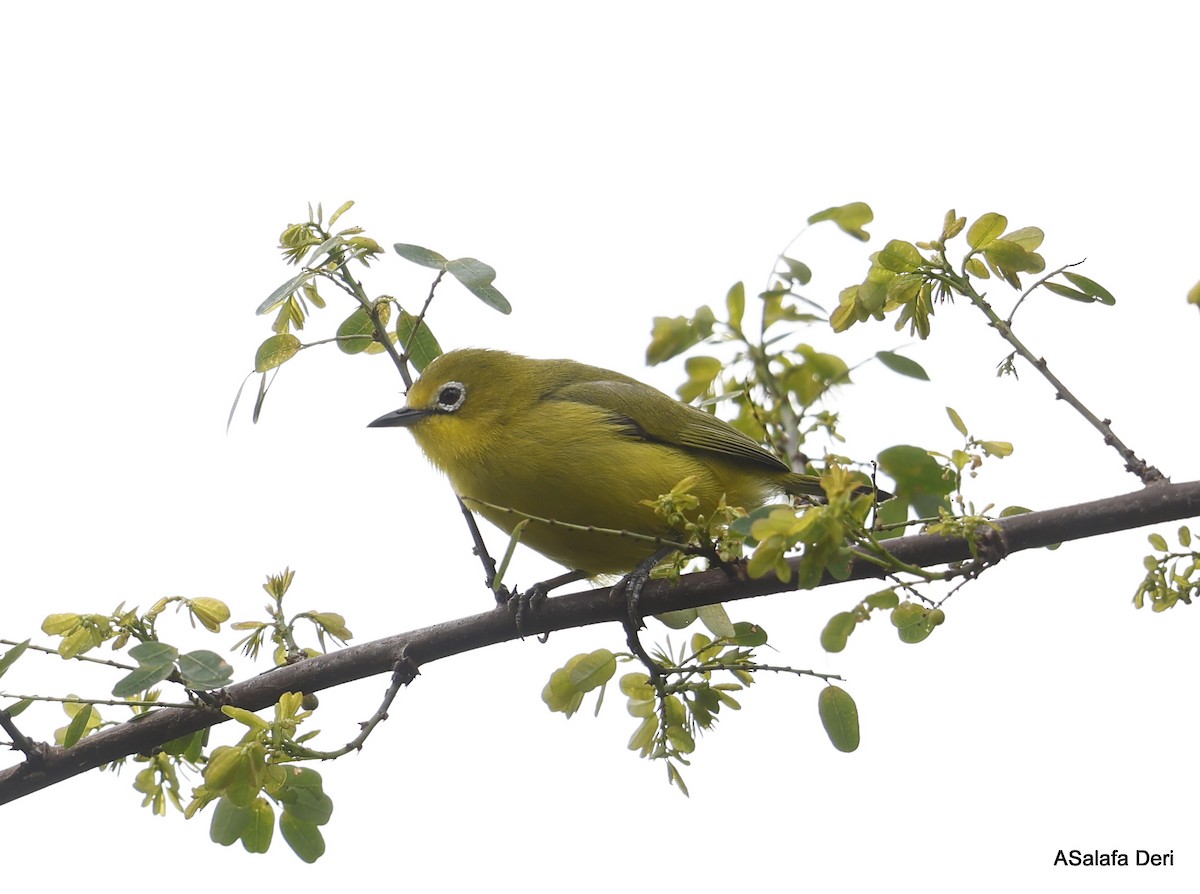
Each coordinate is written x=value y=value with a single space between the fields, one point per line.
x=451 y=396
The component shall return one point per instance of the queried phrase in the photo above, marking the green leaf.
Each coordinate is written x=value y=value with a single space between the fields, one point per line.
x=701 y=371
x=678 y=620
x=418 y=342
x=592 y=670
x=918 y=476
x=671 y=336
x=898 y=363
x=305 y=839
x=735 y=305
x=356 y=333
x=471 y=271
x=144 y=678
x=422 y=256
x=153 y=653
x=1090 y=287
x=342 y=209
x=77 y=727
x=1029 y=238
x=303 y=795
x=914 y=622
x=204 y=669
x=228 y=822
x=849 y=218
x=748 y=635
x=260 y=827
x=275 y=351
x=957 y=421
x=284 y=292
x=716 y=619
x=1193 y=295
x=798 y=271
x=986 y=230
x=899 y=256
x=1158 y=542
x=210 y=612
x=837 y=631
x=884 y=599
x=977 y=269
x=839 y=716
x=9 y=658
x=477 y=277
x=999 y=449
x=1067 y=292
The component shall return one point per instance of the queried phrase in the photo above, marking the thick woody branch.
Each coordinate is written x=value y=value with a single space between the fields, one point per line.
x=49 y=765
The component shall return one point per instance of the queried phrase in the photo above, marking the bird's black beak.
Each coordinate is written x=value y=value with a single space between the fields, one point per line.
x=402 y=418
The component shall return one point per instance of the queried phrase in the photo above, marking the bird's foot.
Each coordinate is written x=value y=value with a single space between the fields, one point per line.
x=521 y=605
x=632 y=583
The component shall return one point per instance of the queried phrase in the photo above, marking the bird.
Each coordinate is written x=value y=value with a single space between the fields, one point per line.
x=577 y=449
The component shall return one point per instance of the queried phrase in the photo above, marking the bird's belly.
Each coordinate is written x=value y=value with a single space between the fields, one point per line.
x=583 y=513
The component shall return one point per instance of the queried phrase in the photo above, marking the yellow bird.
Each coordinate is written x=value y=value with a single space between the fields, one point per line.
x=572 y=443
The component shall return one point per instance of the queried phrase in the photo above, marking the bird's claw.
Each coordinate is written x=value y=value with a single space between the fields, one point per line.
x=521 y=604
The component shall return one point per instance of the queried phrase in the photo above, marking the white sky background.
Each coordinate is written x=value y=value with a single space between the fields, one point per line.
x=612 y=166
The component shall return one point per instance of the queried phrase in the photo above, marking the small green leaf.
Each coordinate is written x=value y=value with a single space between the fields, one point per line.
x=144 y=678
x=356 y=333
x=999 y=449
x=849 y=218
x=275 y=351
x=260 y=827
x=678 y=620
x=210 y=612
x=342 y=209
x=477 y=277
x=986 y=230
x=798 y=271
x=422 y=256
x=153 y=653
x=884 y=599
x=592 y=670
x=715 y=618
x=77 y=727
x=701 y=371
x=9 y=658
x=284 y=292
x=748 y=635
x=839 y=716
x=228 y=822
x=735 y=305
x=418 y=342
x=837 y=631
x=1067 y=292
x=204 y=669
x=956 y=420
x=305 y=839
x=899 y=256
x=1090 y=287
x=1158 y=542
x=977 y=269
x=898 y=363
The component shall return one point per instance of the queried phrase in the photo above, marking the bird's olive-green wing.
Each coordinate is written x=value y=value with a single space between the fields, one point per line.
x=642 y=411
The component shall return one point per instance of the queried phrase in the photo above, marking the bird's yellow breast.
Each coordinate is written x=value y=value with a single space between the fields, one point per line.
x=574 y=463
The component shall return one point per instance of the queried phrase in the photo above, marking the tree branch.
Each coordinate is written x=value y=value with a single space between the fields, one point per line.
x=1152 y=505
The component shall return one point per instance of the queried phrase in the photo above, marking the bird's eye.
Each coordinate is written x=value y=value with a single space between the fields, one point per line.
x=451 y=397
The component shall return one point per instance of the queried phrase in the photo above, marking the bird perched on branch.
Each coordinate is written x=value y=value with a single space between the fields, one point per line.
x=578 y=449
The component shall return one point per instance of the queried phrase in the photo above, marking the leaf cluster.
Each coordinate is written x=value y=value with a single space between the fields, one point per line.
x=247 y=779
x=1172 y=577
